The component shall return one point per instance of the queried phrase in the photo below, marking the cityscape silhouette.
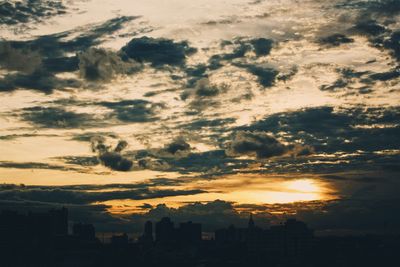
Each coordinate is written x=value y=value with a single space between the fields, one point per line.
x=45 y=239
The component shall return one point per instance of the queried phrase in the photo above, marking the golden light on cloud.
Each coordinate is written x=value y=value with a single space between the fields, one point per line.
x=237 y=189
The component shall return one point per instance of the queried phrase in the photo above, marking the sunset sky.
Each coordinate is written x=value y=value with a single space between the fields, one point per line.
x=208 y=110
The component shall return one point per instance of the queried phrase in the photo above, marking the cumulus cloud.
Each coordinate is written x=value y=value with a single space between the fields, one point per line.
x=38 y=60
x=256 y=144
x=262 y=145
x=18 y=59
x=178 y=147
x=266 y=75
x=101 y=64
x=241 y=47
x=111 y=158
x=203 y=93
x=158 y=51
x=350 y=133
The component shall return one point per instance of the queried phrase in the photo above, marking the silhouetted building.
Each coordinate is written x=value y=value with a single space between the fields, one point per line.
x=84 y=231
x=251 y=223
x=147 y=236
x=293 y=238
x=189 y=232
x=33 y=227
x=165 y=231
x=120 y=240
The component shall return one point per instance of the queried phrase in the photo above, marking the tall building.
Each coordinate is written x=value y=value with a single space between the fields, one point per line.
x=165 y=231
x=293 y=238
x=34 y=226
x=147 y=236
x=189 y=232
x=84 y=231
x=251 y=223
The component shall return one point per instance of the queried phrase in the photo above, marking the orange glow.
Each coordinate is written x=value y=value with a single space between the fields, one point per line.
x=238 y=189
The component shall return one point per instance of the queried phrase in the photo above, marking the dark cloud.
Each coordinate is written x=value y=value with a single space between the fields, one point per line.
x=385 y=8
x=392 y=43
x=134 y=110
x=39 y=80
x=101 y=64
x=80 y=160
x=61 y=195
x=335 y=40
x=203 y=93
x=215 y=124
x=18 y=59
x=241 y=46
x=39 y=59
x=266 y=75
x=35 y=165
x=368 y=28
x=112 y=158
x=51 y=117
x=347 y=80
x=16 y=12
x=178 y=146
x=16 y=136
x=357 y=134
x=262 y=46
x=257 y=144
x=88 y=136
x=58 y=44
x=386 y=76
x=158 y=51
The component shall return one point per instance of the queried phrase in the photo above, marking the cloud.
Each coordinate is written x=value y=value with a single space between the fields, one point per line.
x=16 y=12
x=35 y=165
x=58 y=44
x=111 y=158
x=100 y=64
x=262 y=46
x=65 y=196
x=39 y=60
x=256 y=144
x=392 y=43
x=39 y=80
x=178 y=147
x=203 y=93
x=215 y=124
x=335 y=40
x=17 y=59
x=88 y=136
x=158 y=51
x=266 y=75
x=348 y=135
x=386 y=76
x=134 y=110
x=51 y=117
x=241 y=47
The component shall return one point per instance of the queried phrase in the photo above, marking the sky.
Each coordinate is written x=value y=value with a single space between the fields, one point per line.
x=126 y=111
